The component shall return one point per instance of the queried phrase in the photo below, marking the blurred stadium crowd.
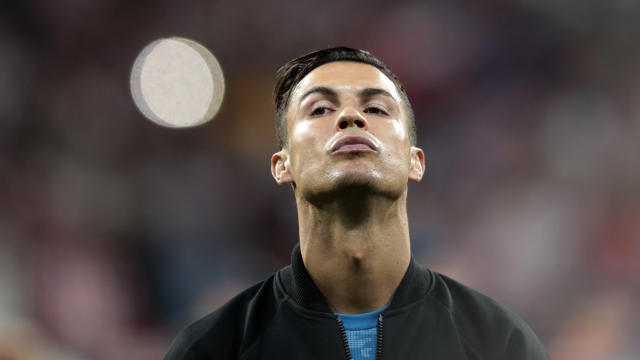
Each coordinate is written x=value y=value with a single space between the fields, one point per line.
x=115 y=232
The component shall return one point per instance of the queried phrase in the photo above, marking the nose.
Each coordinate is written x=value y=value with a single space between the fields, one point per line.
x=351 y=117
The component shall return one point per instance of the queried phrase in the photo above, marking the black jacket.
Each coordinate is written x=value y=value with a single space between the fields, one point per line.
x=430 y=317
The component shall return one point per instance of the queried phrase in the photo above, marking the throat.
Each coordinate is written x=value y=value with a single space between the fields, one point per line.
x=355 y=249
x=357 y=279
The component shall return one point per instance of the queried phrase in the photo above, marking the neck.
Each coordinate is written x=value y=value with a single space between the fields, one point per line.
x=356 y=249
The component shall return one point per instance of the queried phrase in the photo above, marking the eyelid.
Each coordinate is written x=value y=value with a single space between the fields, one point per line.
x=320 y=103
x=377 y=106
x=319 y=107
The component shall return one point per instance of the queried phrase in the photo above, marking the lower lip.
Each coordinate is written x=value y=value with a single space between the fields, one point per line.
x=350 y=148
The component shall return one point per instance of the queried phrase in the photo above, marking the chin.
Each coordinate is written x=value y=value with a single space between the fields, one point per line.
x=351 y=183
x=356 y=177
x=363 y=183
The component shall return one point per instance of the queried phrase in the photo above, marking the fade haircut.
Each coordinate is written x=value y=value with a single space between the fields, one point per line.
x=291 y=73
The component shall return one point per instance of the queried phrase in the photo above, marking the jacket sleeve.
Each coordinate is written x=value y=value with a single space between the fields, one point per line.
x=182 y=349
x=523 y=344
x=221 y=334
x=217 y=335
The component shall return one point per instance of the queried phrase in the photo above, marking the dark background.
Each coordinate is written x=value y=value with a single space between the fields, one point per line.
x=116 y=232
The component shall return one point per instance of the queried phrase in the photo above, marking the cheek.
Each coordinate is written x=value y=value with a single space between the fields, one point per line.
x=310 y=136
x=300 y=130
x=304 y=142
x=398 y=129
x=393 y=136
x=396 y=140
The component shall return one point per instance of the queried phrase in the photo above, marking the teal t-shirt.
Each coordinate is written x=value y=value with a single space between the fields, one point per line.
x=362 y=333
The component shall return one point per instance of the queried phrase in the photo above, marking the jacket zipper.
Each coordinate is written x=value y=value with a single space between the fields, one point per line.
x=379 y=340
x=345 y=341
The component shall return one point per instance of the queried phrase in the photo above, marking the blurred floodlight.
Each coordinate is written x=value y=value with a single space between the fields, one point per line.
x=177 y=82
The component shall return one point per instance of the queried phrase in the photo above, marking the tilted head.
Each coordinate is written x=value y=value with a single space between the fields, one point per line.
x=344 y=123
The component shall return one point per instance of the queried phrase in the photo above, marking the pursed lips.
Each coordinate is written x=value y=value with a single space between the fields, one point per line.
x=353 y=144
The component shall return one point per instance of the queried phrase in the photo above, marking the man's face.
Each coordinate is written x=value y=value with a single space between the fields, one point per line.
x=347 y=127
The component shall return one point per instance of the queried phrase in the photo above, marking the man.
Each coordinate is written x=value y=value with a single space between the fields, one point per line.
x=353 y=291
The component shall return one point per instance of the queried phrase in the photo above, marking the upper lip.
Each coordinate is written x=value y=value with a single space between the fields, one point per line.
x=348 y=140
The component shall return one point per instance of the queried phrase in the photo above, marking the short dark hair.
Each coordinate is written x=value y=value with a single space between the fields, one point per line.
x=291 y=73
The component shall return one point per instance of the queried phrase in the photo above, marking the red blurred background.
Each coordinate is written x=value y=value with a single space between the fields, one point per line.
x=115 y=232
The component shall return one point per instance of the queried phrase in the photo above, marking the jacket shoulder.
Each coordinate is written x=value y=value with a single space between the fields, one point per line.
x=488 y=328
x=228 y=330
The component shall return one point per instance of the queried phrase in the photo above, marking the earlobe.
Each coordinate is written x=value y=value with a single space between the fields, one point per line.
x=416 y=171
x=280 y=167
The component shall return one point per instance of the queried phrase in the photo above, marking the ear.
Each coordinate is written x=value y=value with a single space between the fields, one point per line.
x=280 y=167
x=417 y=168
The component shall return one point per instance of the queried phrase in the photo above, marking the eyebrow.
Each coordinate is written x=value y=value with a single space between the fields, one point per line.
x=371 y=92
x=328 y=92
x=321 y=90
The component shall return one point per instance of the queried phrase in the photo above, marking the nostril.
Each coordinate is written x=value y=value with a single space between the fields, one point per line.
x=359 y=123
x=343 y=125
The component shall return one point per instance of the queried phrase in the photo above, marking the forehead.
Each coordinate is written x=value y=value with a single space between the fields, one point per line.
x=345 y=76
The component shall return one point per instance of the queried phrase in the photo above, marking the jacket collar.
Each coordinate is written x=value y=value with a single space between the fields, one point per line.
x=299 y=285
